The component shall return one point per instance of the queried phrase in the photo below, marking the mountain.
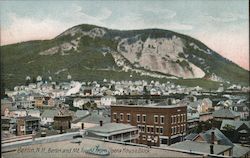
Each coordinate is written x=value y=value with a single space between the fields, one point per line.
x=88 y=52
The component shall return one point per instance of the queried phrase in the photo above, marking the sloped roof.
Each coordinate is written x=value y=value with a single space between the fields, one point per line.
x=29 y=118
x=239 y=151
x=200 y=147
x=226 y=113
x=49 y=113
x=219 y=136
x=234 y=123
x=81 y=113
x=95 y=118
x=191 y=136
x=195 y=104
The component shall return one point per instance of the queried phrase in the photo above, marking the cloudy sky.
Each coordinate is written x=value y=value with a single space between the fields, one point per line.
x=222 y=25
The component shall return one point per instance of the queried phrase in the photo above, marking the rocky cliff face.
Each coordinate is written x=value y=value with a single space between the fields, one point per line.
x=160 y=54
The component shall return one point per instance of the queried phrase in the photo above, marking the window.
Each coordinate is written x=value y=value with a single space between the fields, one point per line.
x=184 y=126
x=148 y=129
x=162 y=119
x=172 y=119
x=152 y=129
x=175 y=129
x=143 y=118
x=181 y=128
x=143 y=137
x=138 y=118
x=143 y=129
x=172 y=130
x=178 y=128
x=128 y=117
x=179 y=119
x=115 y=116
x=157 y=130
x=184 y=115
x=161 y=130
x=121 y=116
x=155 y=118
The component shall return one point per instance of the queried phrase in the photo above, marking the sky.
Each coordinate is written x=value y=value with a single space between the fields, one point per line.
x=223 y=25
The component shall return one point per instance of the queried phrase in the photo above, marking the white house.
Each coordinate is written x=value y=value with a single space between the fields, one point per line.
x=18 y=113
x=201 y=106
x=108 y=100
x=79 y=102
x=47 y=116
x=34 y=112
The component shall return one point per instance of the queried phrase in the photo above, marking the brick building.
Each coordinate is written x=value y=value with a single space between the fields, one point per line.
x=158 y=123
x=27 y=125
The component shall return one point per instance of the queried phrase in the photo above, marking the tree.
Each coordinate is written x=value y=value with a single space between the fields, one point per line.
x=145 y=90
x=33 y=79
x=27 y=82
x=112 y=88
x=228 y=127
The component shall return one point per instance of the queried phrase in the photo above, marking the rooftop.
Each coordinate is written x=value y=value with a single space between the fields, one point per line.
x=111 y=127
x=200 y=147
x=235 y=124
x=29 y=118
x=239 y=151
x=219 y=136
x=49 y=113
x=73 y=150
x=156 y=105
x=94 y=118
x=226 y=113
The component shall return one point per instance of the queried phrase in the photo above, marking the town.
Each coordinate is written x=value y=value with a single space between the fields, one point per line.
x=184 y=120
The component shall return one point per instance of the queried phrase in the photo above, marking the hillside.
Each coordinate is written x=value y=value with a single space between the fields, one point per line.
x=88 y=52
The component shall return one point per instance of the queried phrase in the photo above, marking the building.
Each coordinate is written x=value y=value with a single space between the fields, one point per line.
x=92 y=119
x=202 y=106
x=47 y=117
x=27 y=125
x=114 y=131
x=108 y=100
x=5 y=123
x=6 y=107
x=62 y=122
x=205 y=116
x=242 y=109
x=38 y=101
x=49 y=102
x=225 y=113
x=192 y=121
x=204 y=147
x=158 y=123
x=236 y=131
x=79 y=102
x=34 y=112
x=87 y=91
x=214 y=136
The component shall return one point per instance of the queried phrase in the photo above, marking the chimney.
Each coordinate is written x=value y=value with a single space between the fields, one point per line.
x=211 y=149
x=212 y=137
x=101 y=123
